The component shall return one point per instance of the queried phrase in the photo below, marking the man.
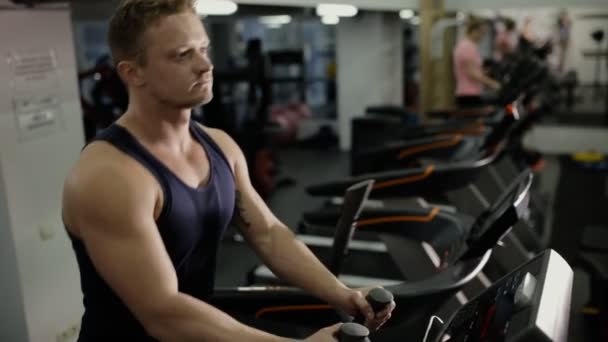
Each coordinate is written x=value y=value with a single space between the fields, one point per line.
x=148 y=201
x=470 y=78
x=506 y=41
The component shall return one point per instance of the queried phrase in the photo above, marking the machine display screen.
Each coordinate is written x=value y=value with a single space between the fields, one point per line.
x=488 y=318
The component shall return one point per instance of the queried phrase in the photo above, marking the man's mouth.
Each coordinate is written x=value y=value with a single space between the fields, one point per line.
x=201 y=83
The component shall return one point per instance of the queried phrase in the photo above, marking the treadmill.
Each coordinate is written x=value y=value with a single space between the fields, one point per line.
x=417 y=245
x=380 y=144
x=531 y=303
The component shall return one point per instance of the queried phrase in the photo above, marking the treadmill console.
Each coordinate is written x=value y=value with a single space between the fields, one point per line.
x=530 y=304
x=494 y=223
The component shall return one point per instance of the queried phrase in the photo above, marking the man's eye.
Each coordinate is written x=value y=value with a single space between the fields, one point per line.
x=184 y=54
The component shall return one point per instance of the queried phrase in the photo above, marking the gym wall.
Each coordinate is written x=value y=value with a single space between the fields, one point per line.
x=369 y=55
x=580 y=36
x=41 y=135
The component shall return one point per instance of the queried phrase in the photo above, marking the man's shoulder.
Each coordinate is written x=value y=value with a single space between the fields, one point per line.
x=102 y=166
x=224 y=141
x=218 y=135
x=101 y=156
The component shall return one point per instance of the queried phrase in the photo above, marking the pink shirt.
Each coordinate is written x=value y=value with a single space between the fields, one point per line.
x=466 y=52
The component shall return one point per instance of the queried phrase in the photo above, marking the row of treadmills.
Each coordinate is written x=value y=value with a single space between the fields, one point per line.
x=444 y=217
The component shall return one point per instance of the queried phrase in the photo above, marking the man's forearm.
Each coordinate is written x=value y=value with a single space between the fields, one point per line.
x=292 y=261
x=184 y=318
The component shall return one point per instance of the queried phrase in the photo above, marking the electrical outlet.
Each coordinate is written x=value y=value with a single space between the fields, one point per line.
x=69 y=334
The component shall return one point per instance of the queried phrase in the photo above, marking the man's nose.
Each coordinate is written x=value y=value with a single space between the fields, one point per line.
x=203 y=63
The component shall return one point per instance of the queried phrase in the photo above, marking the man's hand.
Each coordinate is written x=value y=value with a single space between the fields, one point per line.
x=328 y=334
x=356 y=304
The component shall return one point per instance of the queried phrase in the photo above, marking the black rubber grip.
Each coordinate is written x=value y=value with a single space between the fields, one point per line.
x=379 y=299
x=353 y=332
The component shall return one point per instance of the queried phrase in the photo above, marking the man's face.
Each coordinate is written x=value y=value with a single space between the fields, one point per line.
x=178 y=70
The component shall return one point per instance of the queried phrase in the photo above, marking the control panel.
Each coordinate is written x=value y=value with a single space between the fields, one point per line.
x=530 y=304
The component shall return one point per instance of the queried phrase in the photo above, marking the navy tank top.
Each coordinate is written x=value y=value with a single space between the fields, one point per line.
x=191 y=224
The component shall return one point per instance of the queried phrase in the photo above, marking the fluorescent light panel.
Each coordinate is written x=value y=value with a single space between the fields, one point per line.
x=216 y=7
x=273 y=20
x=339 y=10
x=406 y=14
x=330 y=19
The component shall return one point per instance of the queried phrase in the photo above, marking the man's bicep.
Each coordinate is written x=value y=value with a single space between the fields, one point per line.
x=124 y=245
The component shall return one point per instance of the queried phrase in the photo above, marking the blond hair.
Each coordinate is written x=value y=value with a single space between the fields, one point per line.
x=130 y=21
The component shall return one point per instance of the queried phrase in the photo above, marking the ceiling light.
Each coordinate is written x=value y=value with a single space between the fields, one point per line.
x=216 y=7
x=406 y=14
x=338 y=10
x=330 y=19
x=275 y=20
x=485 y=13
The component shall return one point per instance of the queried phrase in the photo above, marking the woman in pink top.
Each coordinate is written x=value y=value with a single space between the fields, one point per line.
x=470 y=78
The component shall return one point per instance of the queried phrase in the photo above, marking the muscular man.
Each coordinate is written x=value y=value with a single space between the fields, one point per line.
x=149 y=199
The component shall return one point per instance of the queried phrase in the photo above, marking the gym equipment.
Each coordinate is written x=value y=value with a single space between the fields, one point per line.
x=594 y=258
x=108 y=97
x=420 y=245
x=458 y=147
x=396 y=154
x=255 y=301
x=593 y=254
x=598 y=55
x=532 y=303
x=353 y=332
x=378 y=142
x=476 y=186
x=529 y=304
x=597 y=36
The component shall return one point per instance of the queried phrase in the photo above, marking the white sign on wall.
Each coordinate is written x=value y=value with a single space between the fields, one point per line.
x=35 y=82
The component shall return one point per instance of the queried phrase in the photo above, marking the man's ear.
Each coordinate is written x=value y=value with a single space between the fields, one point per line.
x=131 y=73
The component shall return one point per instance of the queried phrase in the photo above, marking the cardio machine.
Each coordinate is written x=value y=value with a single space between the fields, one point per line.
x=437 y=176
x=414 y=244
x=380 y=143
x=530 y=304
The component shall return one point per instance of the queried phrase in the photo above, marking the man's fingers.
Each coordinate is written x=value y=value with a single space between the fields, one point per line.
x=333 y=329
x=379 y=321
x=364 y=308
x=390 y=307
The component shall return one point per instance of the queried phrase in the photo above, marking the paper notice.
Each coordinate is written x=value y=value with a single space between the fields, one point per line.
x=35 y=82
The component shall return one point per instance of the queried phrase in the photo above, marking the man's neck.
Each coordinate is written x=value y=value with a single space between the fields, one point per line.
x=158 y=124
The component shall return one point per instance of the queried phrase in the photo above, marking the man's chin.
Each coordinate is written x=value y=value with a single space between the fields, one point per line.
x=200 y=101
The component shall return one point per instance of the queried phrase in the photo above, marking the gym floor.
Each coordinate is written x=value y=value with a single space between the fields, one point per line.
x=310 y=166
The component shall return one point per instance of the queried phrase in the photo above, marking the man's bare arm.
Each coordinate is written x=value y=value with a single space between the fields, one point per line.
x=114 y=213
x=273 y=241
